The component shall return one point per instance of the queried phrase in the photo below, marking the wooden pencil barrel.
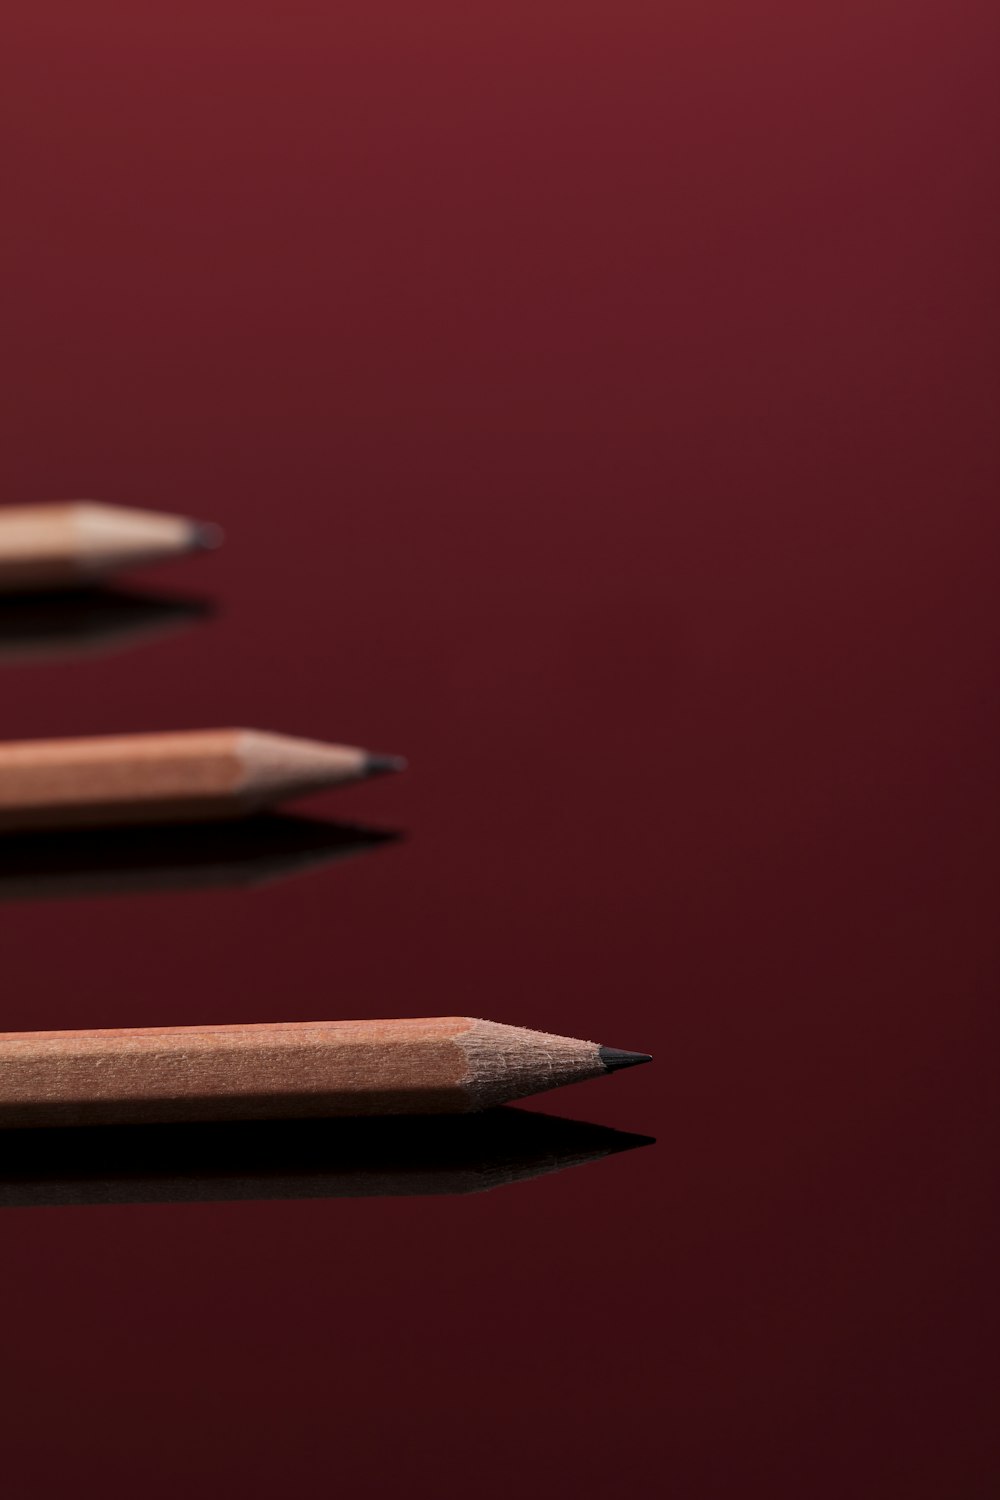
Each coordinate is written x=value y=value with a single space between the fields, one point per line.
x=107 y=780
x=442 y=1065
x=67 y=543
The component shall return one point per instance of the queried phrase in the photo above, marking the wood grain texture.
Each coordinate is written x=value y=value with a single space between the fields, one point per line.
x=440 y=1065
x=148 y=778
x=67 y=543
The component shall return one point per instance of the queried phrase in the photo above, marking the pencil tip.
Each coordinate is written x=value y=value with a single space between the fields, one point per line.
x=206 y=536
x=614 y=1058
x=384 y=765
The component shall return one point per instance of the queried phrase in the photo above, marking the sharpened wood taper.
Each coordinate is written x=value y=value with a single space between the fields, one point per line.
x=443 y=1065
x=67 y=543
x=152 y=778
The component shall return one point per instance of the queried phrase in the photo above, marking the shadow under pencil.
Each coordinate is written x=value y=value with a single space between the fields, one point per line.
x=251 y=852
x=372 y=1158
x=65 y=624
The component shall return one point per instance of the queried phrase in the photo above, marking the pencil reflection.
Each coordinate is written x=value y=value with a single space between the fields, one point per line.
x=89 y=622
x=246 y=853
x=295 y=1158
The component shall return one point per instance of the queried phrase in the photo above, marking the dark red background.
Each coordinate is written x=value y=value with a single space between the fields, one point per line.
x=601 y=403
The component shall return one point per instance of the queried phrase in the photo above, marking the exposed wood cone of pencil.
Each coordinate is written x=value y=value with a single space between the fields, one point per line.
x=305 y=1069
x=176 y=777
x=64 y=544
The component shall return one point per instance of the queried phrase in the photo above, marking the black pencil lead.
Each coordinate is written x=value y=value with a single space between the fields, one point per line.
x=614 y=1058
x=384 y=765
x=206 y=536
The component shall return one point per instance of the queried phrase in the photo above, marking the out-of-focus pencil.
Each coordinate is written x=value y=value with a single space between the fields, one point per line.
x=296 y=1158
x=174 y=777
x=285 y=1070
x=247 y=853
x=70 y=542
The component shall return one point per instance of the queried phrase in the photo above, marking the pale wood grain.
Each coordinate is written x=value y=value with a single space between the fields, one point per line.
x=67 y=543
x=147 y=778
x=438 y=1065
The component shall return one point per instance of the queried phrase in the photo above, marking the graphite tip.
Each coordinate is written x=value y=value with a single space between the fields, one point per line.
x=206 y=536
x=614 y=1058
x=384 y=765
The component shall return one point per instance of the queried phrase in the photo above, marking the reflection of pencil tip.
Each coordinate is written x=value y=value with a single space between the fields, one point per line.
x=122 y=861
x=90 y=621
x=398 y=1157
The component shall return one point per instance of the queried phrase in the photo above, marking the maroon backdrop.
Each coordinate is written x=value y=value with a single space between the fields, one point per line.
x=601 y=403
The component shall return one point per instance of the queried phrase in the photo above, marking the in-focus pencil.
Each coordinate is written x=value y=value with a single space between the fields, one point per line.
x=285 y=1070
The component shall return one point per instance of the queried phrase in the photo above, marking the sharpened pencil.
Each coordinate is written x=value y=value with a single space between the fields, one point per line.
x=67 y=543
x=175 y=777
x=285 y=1070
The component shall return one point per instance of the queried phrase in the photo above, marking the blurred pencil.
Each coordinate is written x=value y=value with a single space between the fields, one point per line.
x=296 y=1159
x=174 y=777
x=248 y=853
x=65 y=623
x=69 y=542
x=285 y=1070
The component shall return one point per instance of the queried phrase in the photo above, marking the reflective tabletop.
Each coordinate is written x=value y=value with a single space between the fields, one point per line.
x=595 y=400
